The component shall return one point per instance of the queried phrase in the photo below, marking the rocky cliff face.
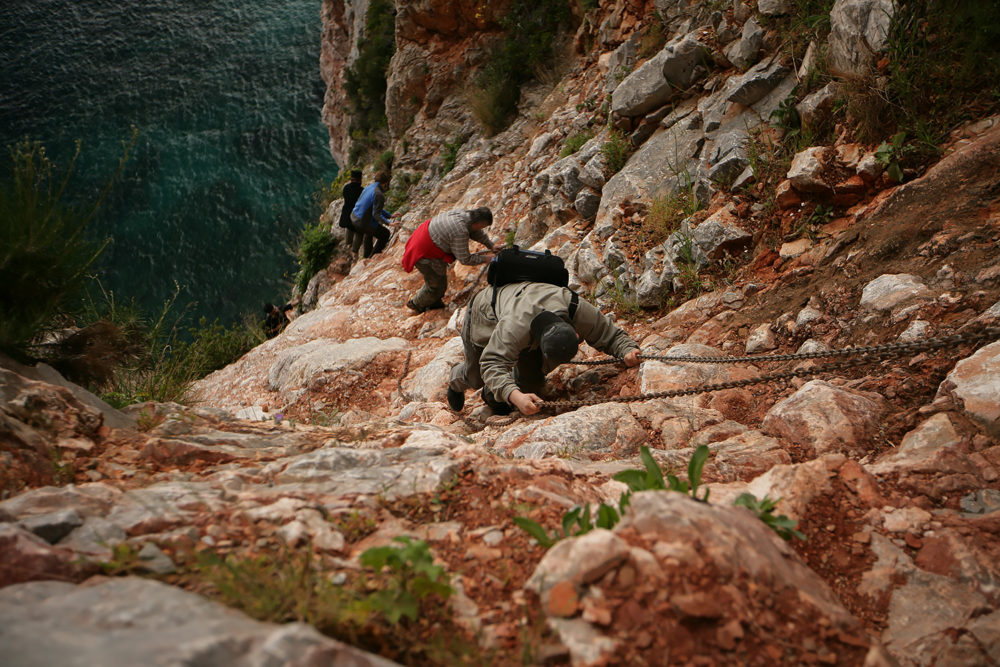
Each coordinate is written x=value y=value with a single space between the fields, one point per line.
x=334 y=437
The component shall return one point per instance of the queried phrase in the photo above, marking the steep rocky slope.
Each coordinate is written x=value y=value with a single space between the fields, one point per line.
x=334 y=437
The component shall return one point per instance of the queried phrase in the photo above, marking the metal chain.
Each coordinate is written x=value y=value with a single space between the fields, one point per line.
x=863 y=355
x=898 y=349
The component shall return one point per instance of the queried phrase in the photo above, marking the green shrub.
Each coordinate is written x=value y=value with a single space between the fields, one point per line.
x=365 y=79
x=315 y=249
x=942 y=68
x=616 y=151
x=575 y=142
x=530 y=27
x=44 y=249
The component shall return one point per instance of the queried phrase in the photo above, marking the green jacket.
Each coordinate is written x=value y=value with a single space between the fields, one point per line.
x=507 y=334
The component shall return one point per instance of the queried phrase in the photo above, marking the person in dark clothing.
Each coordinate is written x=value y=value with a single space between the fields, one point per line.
x=368 y=217
x=274 y=320
x=352 y=190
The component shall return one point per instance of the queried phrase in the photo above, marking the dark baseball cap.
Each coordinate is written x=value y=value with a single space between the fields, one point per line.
x=556 y=337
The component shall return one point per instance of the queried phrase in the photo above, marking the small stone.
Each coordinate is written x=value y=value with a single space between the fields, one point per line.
x=563 y=600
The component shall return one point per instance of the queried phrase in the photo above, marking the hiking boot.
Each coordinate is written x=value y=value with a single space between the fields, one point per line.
x=456 y=399
x=501 y=409
x=414 y=307
x=434 y=306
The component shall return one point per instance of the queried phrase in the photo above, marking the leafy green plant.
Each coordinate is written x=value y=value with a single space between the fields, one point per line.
x=575 y=142
x=316 y=246
x=890 y=154
x=764 y=509
x=589 y=104
x=652 y=477
x=45 y=252
x=575 y=522
x=616 y=150
x=411 y=577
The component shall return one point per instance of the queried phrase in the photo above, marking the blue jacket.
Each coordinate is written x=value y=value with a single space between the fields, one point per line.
x=371 y=200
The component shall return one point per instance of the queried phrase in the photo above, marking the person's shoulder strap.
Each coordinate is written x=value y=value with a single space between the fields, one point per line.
x=574 y=303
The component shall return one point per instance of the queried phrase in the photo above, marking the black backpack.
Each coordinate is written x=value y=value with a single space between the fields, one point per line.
x=513 y=265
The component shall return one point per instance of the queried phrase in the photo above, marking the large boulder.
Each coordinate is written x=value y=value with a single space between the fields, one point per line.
x=660 y=78
x=825 y=418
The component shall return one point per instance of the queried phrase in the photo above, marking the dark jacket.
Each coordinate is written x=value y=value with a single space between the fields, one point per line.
x=351 y=193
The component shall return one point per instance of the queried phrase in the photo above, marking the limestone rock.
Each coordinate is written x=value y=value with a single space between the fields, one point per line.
x=123 y=621
x=826 y=418
x=975 y=382
x=890 y=290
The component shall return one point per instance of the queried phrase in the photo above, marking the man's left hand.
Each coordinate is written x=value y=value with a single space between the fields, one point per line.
x=632 y=358
x=498 y=246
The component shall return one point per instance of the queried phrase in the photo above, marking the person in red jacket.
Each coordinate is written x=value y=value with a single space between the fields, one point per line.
x=440 y=241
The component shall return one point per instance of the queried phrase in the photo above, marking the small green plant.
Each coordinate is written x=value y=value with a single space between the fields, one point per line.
x=411 y=576
x=820 y=215
x=575 y=142
x=653 y=37
x=510 y=236
x=616 y=150
x=449 y=155
x=315 y=249
x=652 y=478
x=579 y=520
x=623 y=297
x=589 y=104
x=688 y=270
x=149 y=418
x=891 y=154
x=124 y=559
x=355 y=526
x=764 y=509
x=666 y=213
x=575 y=522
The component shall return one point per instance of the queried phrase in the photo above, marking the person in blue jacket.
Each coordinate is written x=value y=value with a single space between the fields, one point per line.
x=368 y=217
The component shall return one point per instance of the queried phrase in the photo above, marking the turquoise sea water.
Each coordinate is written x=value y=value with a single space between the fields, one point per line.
x=226 y=96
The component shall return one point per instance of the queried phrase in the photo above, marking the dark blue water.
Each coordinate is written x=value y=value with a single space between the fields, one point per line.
x=226 y=96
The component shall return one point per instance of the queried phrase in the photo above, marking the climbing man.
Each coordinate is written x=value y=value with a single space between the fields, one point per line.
x=440 y=241
x=368 y=217
x=515 y=334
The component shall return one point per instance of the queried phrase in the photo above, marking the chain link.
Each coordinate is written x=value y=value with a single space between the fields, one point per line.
x=862 y=355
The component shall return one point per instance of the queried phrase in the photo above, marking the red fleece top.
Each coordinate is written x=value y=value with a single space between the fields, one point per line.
x=420 y=246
